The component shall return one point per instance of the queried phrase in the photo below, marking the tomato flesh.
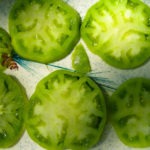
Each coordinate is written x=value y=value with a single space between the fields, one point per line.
x=80 y=60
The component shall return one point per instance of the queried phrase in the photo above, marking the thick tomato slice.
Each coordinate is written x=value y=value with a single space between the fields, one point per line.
x=13 y=103
x=66 y=111
x=130 y=110
x=43 y=30
x=119 y=32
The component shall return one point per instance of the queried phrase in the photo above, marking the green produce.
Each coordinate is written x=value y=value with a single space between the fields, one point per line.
x=66 y=111
x=129 y=110
x=119 y=32
x=5 y=48
x=80 y=60
x=13 y=103
x=43 y=31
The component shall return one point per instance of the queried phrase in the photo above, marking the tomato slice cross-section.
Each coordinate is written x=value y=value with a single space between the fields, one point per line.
x=43 y=30
x=129 y=110
x=66 y=111
x=13 y=104
x=118 y=31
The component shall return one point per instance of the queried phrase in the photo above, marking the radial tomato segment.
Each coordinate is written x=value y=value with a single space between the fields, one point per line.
x=80 y=59
x=67 y=111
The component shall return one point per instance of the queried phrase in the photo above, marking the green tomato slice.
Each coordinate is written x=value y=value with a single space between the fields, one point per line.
x=13 y=103
x=80 y=60
x=5 y=46
x=119 y=32
x=66 y=111
x=43 y=31
x=129 y=110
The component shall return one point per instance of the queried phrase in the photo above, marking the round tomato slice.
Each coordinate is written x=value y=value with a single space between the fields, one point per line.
x=130 y=110
x=119 y=32
x=13 y=103
x=43 y=30
x=66 y=111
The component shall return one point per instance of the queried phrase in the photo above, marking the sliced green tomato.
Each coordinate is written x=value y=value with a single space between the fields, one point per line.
x=80 y=60
x=13 y=103
x=130 y=110
x=42 y=30
x=119 y=32
x=5 y=46
x=67 y=111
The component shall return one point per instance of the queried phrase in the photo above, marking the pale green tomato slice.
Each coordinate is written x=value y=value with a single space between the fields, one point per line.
x=43 y=30
x=118 y=31
x=13 y=104
x=66 y=111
